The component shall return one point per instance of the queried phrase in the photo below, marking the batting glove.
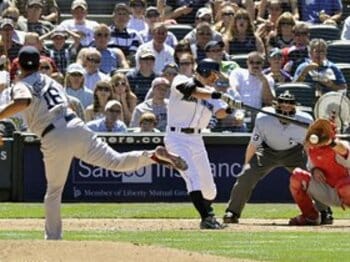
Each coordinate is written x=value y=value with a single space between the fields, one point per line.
x=234 y=104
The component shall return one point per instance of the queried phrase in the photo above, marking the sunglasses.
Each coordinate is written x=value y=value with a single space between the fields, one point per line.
x=105 y=89
x=228 y=14
x=45 y=67
x=183 y=50
x=185 y=63
x=242 y=17
x=93 y=60
x=102 y=35
x=76 y=74
x=215 y=50
x=121 y=83
x=255 y=62
x=117 y=111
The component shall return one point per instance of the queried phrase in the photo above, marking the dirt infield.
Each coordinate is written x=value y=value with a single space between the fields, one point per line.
x=39 y=250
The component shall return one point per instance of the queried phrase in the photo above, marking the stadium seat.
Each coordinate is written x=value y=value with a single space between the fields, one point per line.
x=240 y=59
x=304 y=93
x=338 y=51
x=327 y=32
x=180 y=30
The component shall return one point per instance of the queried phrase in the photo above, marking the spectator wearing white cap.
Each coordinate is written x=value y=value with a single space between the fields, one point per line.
x=111 y=121
x=7 y=33
x=79 y=23
x=152 y=16
x=75 y=84
x=141 y=76
x=164 y=54
x=158 y=104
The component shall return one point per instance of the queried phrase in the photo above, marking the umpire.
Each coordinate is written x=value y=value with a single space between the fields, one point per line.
x=273 y=144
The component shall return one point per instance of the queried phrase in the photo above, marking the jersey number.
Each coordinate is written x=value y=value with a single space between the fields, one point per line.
x=53 y=97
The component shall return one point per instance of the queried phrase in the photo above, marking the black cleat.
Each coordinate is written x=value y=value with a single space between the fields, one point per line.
x=210 y=222
x=230 y=218
x=326 y=217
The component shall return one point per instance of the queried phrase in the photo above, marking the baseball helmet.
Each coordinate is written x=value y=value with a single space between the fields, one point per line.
x=287 y=98
x=29 y=58
x=206 y=66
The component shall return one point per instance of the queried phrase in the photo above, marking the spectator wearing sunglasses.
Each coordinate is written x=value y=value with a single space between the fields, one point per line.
x=111 y=122
x=141 y=76
x=164 y=54
x=225 y=18
x=92 y=62
x=254 y=88
x=111 y=58
x=122 y=93
x=285 y=6
x=74 y=84
x=158 y=104
x=152 y=16
x=204 y=34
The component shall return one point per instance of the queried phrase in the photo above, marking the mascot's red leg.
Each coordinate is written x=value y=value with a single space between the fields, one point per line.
x=299 y=182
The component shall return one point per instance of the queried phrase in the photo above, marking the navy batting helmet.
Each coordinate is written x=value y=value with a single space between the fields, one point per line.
x=206 y=66
x=29 y=58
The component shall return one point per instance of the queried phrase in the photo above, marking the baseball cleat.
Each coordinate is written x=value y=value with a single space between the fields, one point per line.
x=163 y=156
x=326 y=217
x=304 y=221
x=210 y=222
x=230 y=218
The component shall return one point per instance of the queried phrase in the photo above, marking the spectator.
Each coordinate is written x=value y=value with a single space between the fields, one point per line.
x=275 y=69
x=321 y=12
x=102 y=93
x=321 y=72
x=153 y=17
x=215 y=51
x=141 y=77
x=285 y=6
x=91 y=63
x=345 y=34
x=164 y=54
x=148 y=123
x=158 y=104
x=137 y=19
x=296 y=54
x=241 y=39
x=122 y=93
x=254 y=88
x=204 y=34
x=49 y=13
x=12 y=12
x=219 y=5
x=182 y=47
x=126 y=39
x=32 y=19
x=75 y=86
x=45 y=67
x=5 y=4
x=204 y=16
x=111 y=58
x=186 y=64
x=283 y=35
x=61 y=52
x=7 y=32
x=111 y=121
x=79 y=23
x=226 y=18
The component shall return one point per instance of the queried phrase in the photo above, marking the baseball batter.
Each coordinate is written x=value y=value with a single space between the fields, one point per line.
x=327 y=178
x=191 y=104
x=64 y=136
x=273 y=143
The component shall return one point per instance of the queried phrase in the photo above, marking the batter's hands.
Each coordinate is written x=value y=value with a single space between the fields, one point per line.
x=233 y=104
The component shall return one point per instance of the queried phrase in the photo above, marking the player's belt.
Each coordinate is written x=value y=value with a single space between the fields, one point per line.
x=51 y=127
x=186 y=130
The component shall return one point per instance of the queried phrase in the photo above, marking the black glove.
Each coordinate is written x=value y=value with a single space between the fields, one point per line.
x=234 y=104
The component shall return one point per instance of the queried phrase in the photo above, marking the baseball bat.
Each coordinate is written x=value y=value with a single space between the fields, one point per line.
x=279 y=116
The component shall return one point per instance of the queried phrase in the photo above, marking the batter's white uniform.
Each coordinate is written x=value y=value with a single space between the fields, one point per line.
x=68 y=138
x=186 y=115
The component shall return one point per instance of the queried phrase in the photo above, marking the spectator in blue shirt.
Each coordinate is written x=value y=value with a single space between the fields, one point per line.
x=111 y=122
x=321 y=11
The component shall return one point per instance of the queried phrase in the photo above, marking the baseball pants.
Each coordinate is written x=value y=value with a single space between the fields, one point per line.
x=59 y=147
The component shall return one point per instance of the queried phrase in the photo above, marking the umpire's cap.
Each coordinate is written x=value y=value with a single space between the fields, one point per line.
x=29 y=58
x=206 y=66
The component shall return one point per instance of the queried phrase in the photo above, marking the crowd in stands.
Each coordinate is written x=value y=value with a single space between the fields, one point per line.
x=117 y=75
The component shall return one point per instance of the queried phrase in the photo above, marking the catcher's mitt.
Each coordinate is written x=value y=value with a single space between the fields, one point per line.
x=320 y=133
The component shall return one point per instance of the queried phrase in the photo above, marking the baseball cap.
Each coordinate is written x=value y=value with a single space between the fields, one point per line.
x=29 y=58
x=144 y=53
x=35 y=2
x=79 y=3
x=112 y=103
x=203 y=11
x=212 y=44
x=122 y=6
x=160 y=81
x=59 y=32
x=75 y=68
x=152 y=11
x=275 y=52
x=6 y=21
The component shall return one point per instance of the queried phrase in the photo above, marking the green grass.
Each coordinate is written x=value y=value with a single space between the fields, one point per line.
x=263 y=246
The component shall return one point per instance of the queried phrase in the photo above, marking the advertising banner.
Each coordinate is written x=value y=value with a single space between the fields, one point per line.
x=153 y=183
